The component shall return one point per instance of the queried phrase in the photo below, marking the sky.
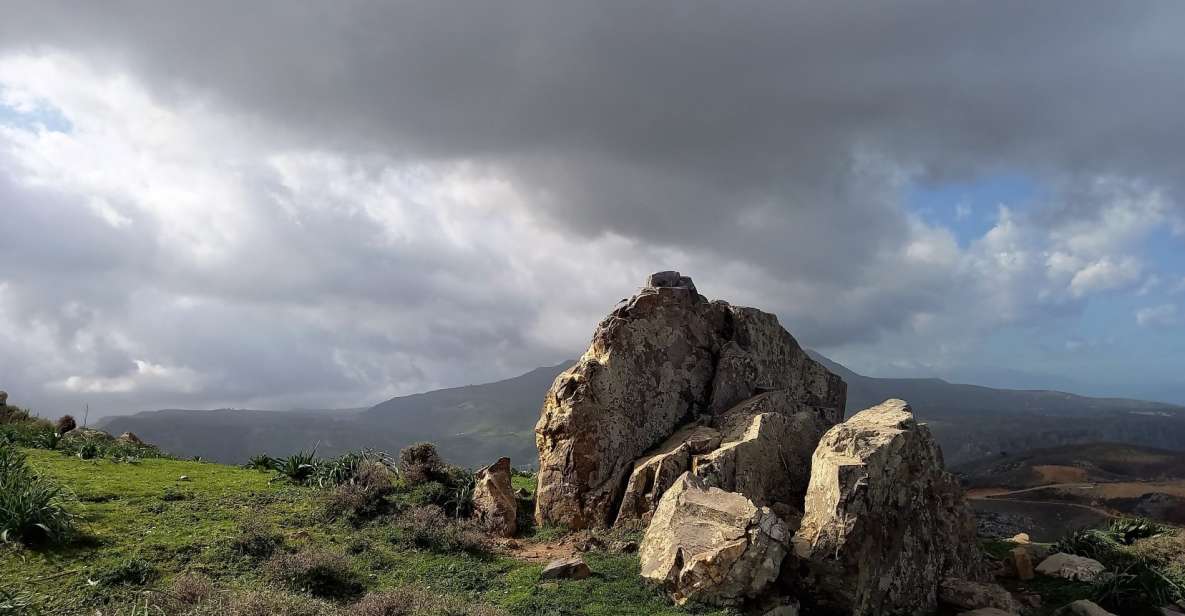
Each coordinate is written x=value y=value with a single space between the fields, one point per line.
x=314 y=205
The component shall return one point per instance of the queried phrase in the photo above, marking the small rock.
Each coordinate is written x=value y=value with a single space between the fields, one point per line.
x=590 y=545
x=968 y=595
x=1021 y=563
x=183 y=478
x=1031 y=600
x=494 y=504
x=130 y=437
x=987 y=611
x=1021 y=538
x=1070 y=567
x=1082 y=607
x=571 y=568
x=625 y=547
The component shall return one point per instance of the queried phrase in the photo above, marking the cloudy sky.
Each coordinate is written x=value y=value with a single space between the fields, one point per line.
x=292 y=204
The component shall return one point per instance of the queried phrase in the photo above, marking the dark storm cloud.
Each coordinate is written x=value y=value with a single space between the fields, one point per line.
x=772 y=138
x=676 y=122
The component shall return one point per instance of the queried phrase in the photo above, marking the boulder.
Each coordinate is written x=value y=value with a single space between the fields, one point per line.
x=571 y=568
x=494 y=503
x=1020 y=563
x=967 y=594
x=884 y=522
x=661 y=360
x=130 y=438
x=1082 y=607
x=1071 y=567
x=657 y=471
x=767 y=448
x=711 y=546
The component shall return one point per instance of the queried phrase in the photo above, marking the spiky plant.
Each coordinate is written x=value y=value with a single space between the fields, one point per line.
x=299 y=467
x=33 y=509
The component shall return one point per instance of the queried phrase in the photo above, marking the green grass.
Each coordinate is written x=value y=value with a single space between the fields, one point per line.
x=141 y=523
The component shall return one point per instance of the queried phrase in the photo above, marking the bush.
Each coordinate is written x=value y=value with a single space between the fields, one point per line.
x=261 y=462
x=264 y=603
x=1144 y=573
x=131 y=572
x=255 y=541
x=1127 y=531
x=421 y=463
x=299 y=467
x=320 y=574
x=190 y=589
x=428 y=527
x=65 y=424
x=33 y=509
x=357 y=504
x=416 y=602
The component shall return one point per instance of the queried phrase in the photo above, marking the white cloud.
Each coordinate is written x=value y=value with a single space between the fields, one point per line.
x=1165 y=315
x=1105 y=274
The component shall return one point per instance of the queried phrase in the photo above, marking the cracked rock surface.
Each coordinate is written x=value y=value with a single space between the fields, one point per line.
x=664 y=360
x=711 y=546
x=884 y=521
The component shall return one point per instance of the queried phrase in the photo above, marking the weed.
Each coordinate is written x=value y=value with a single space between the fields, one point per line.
x=131 y=572
x=421 y=463
x=428 y=527
x=261 y=462
x=33 y=509
x=255 y=541
x=320 y=574
x=299 y=467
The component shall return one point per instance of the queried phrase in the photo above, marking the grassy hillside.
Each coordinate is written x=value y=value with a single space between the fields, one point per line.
x=149 y=538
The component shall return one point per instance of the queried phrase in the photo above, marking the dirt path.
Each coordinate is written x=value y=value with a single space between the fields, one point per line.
x=1004 y=494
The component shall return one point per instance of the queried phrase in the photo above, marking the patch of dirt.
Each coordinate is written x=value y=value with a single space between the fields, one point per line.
x=1052 y=473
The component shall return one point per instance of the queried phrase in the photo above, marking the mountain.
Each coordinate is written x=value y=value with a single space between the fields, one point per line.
x=476 y=424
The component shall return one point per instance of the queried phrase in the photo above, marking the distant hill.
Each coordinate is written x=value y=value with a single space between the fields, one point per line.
x=1082 y=463
x=476 y=424
x=1111 y=478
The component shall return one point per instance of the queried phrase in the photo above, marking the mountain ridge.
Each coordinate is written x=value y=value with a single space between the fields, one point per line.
x=473 y=424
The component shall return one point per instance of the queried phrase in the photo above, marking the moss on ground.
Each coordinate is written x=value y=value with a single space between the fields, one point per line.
x=143 y=526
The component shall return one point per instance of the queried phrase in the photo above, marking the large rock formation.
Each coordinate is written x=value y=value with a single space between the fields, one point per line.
x=884 y=523
x=494 y=504
x=711 y=546
x=663 y=360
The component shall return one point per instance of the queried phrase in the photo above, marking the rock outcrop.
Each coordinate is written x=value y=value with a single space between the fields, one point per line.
x=711 y=546
x=1071 y=567
x=661 y=361
x=884 y=522
x=3 y=398
x=494 y=504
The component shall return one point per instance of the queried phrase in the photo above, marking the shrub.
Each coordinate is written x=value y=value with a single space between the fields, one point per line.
x=261 y=462
x=265 y=603
x=131 y=572
x=428 y=527
x=1129 y=530
x=421 y=463
x=320 y=574
x=416 y=602
x=190 y=589
x=65 y=424
x=357 y=504
x=33 y=509
x=299 y=467
x=255 y=541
